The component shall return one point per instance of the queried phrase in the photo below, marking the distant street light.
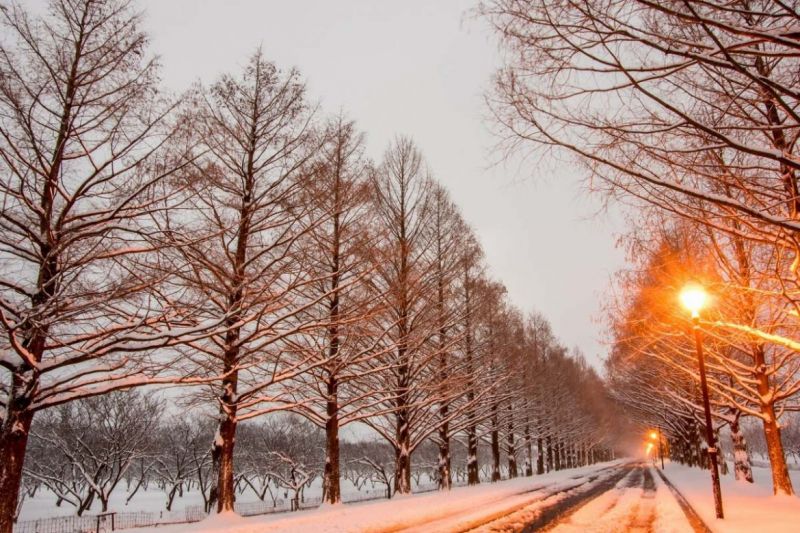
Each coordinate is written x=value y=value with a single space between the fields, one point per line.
x=657 y=436
x=693 y=298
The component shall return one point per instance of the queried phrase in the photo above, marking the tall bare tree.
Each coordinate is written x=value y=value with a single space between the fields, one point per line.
x=336 y=253
x=402 y=192
x=83 y=132
x=256 y=142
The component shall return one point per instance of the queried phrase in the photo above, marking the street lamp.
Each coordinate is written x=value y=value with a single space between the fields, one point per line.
x=694 y=297
x=657 y=436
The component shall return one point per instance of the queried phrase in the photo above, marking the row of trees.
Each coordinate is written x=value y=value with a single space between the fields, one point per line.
x=688 y=111
x=85 y=451
x=237 y=242
x=653 y=367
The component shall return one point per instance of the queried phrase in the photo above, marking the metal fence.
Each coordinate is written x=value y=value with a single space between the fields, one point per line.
x=105 y=522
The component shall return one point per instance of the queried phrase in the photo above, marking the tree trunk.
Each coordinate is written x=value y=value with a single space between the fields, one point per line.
x=17 y=419
x=495 y=448
x=557 y=454
x=402 y=472
x=225 y=439
x=540 y=455
x=445 y=477
x=528 y=450
x=741 y=459
x=402 y=466
x=171 y=497
x=86 y=504
x=331 y=488
x=472 y=456
x=781 y=482
x=13 y=443
x=511 y=449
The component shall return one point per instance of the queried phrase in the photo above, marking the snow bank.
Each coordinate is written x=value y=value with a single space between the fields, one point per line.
x=669 y=518
x=747 y=507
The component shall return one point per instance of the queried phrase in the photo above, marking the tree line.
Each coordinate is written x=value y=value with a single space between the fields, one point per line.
x=687 y=113
x=84 y=451
x=236 y=242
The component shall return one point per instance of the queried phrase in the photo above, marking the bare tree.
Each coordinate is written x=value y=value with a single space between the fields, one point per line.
x=174 y=462
x=83 y=137
x=89 y=446
x=256 y=139
x=402 y=192
x=336 y=252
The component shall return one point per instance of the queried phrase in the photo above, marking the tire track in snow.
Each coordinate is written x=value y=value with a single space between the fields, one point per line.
x=543 y=498
x=548 y=507
x=632 y=508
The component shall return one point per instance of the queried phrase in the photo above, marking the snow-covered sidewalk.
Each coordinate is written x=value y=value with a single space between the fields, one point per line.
x=439 y=511
x=748 y=507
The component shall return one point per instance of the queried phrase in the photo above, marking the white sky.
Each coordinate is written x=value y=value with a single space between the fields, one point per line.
x=418 y=68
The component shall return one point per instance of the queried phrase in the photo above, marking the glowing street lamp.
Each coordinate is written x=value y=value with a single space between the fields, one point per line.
x=694 y=298
x=657 y=437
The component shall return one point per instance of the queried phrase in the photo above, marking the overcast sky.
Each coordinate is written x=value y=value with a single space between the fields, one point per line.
x=419 y=68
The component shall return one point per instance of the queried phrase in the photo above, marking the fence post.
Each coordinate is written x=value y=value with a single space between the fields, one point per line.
x=98 y=524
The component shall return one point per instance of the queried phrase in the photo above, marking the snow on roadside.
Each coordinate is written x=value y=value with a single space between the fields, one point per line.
x=748 y=507
x=400 y=513
x=669 y=518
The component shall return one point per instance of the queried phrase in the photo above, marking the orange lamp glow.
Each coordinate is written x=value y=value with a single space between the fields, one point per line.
x=693 y=298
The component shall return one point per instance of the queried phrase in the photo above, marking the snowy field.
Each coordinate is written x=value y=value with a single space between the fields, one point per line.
x=748 y=507
x=43 y=505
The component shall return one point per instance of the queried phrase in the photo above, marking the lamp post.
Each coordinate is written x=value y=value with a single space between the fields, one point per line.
x=693 y=298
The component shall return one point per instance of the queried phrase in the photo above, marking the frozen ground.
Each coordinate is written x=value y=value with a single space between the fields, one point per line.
x=613 y=499
x=748 y=507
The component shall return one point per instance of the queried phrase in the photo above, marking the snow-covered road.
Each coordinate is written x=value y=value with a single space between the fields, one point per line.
x=613 y=497
x=629 y=506
x=515 y=512
x=631 y=501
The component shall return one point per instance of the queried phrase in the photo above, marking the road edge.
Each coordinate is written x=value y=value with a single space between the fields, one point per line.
x=691 y=515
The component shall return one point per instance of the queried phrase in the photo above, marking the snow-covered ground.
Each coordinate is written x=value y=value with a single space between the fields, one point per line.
x=748 y=507
x=639 y=501
x=43 y=505
x=457 y=509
